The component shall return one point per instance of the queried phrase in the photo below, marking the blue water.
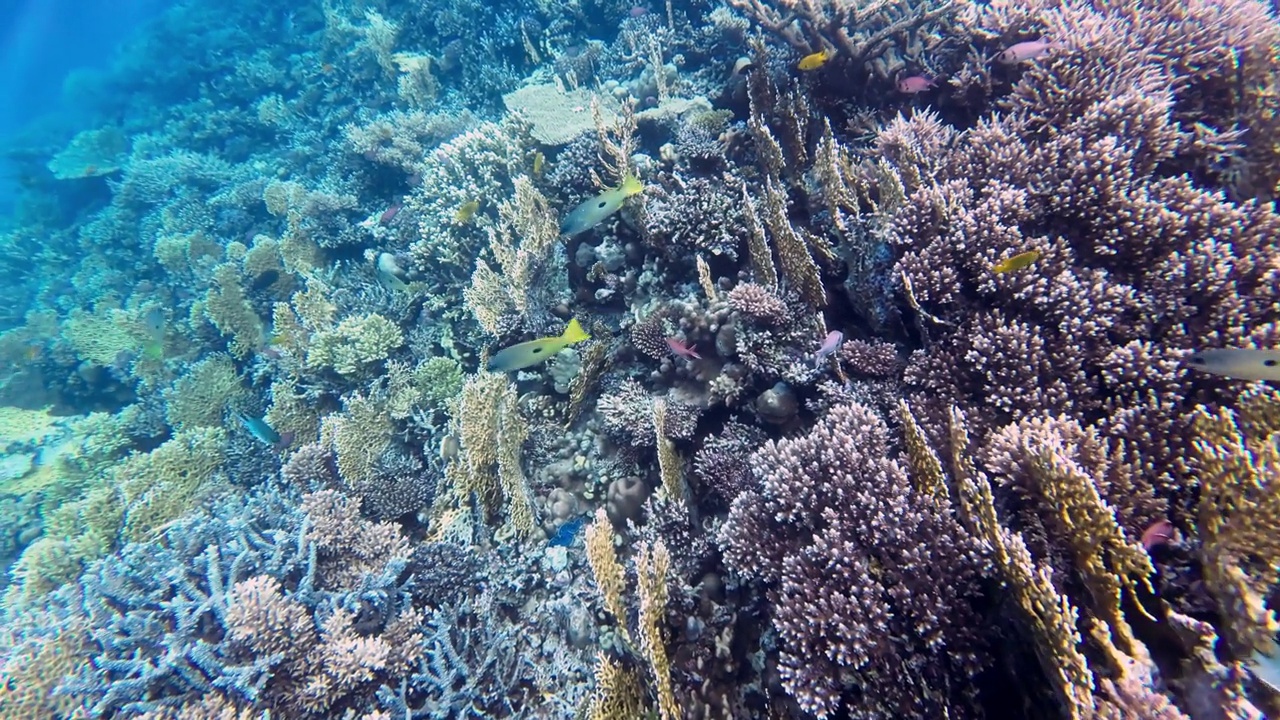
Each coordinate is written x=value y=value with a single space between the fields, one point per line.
x=42 y=43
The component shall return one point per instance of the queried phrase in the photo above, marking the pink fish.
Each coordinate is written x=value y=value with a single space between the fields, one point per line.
x=915 y=84
x=1160 y=532
x=831 y=344
x=1027 y=50
x=389 y=214
x=682 y=350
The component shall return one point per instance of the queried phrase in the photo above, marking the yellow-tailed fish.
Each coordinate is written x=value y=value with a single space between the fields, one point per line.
x=1238 y=363
x=813 y=61
x=466 y=212
x=591 y=212
x=528 y=354
x=539 y=160
x=1016 y=262
x=389 y=273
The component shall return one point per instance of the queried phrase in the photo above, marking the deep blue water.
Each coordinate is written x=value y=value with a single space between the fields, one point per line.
x=41 y=43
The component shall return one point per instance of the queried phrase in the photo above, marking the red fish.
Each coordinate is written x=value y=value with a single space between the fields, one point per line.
x=682 y=350
x=1159 y=533
x=389 y=214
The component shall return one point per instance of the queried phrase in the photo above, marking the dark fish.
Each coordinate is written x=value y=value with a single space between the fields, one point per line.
x=265 y=280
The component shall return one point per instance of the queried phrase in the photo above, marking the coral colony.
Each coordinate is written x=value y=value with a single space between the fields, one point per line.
x=603 y=361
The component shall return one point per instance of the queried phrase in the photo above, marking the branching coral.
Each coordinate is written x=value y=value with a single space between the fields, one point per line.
x=491 y=431
x=521 y=244
x=202 y=396
x=863 y=571
x=1237 y=463
x=354 y=344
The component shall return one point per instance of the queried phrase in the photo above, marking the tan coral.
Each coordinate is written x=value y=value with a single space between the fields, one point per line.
x=1237 y=462
x=229 y=309
x=652 y=565
x=610 y=579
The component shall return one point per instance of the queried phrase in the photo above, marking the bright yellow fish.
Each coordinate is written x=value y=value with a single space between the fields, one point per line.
x=466 y=212
x=1016 y=262
x=813 y=61
x=593 y=211
x=528 y=354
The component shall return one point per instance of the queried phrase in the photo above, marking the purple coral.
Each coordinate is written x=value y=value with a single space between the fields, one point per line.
x=865 y=575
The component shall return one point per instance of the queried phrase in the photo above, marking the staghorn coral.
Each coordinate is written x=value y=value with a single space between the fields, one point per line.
x=862 y=572
x=877 y=38
x=232 y=594
x=1137 y=265
x=696 y=215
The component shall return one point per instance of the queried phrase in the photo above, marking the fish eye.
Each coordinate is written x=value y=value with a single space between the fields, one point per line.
x=1195 y=360
x=1269 y=362
x=601 y=204
x=537 y=350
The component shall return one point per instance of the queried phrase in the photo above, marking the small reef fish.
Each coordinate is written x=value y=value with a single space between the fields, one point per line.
x=259 y=428
x=389 y=214
x=682 y=350
x=1016 y=262
x=1028 y=50
x=832 y=343
x=1238 y=363
x=449 y=449
x=389 y=273
x=465 y=212
x=915 y=84
x=594 y=211
x=813 y=61
x=539 y=161
x=153 y=321
x=1160 y=532
x=528 y=354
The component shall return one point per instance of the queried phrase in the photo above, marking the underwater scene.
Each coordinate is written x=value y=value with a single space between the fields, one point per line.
x=640 y=359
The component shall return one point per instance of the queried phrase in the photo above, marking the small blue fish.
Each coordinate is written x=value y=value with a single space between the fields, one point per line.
x=259 y=428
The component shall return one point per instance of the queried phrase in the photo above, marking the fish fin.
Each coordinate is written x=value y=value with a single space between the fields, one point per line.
x=574 y=332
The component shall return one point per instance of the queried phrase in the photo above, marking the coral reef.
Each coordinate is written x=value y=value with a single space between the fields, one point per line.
x=895 y=399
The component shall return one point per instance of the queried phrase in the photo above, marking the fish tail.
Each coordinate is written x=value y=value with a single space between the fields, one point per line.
x=631 y=185
x=574 y=332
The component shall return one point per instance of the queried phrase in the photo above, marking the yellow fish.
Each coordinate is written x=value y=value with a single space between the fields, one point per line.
x=466 y=212
x=1239 y=363
x=538 y=161
x=591 y=212
x=528 y=354
x=813 y=61
x=1016 y=262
